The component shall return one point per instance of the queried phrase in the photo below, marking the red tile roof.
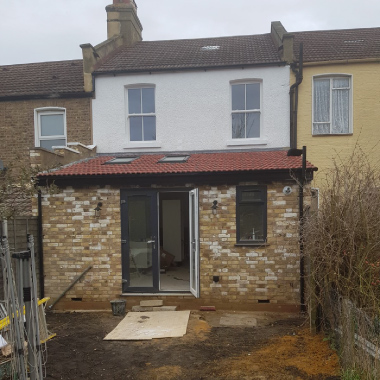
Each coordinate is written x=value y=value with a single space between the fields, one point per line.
x=331 y=45
x=197 y=163
x=42 y=79
x=187 y=54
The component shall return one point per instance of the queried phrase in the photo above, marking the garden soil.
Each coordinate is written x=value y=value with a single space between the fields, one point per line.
x=280 y=347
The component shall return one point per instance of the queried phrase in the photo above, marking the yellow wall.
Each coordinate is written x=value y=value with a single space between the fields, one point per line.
x=321 y=150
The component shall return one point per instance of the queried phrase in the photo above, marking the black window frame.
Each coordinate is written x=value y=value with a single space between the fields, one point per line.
x=263 y=202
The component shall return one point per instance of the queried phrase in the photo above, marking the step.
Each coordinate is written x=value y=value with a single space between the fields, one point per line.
x=152 y=303
x=153 y=308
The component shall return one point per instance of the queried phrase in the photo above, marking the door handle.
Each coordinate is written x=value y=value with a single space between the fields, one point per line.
x=151 y=241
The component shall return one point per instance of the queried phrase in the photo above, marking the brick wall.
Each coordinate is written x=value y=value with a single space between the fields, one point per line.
x=74 y=239
x=17 y=125
x=249 y=274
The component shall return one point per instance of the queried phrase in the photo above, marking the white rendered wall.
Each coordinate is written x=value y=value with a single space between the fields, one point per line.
x=193 y=110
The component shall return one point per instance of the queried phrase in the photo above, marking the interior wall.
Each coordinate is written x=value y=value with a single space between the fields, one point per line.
x=172 y=228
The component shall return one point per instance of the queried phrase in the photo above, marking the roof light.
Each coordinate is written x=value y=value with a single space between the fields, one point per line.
x=353 y=41
x=121 y=160
x=179 y=158
x=208 y=48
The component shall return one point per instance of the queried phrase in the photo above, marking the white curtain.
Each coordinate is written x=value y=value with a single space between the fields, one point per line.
x=321 y=98
x=340 y=101
x=334 y=120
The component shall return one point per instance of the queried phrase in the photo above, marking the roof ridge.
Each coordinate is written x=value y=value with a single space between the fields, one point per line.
x=206 y=38
x=41 y=63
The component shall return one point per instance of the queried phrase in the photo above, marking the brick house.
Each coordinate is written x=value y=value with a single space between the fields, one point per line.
x=192 y=197
x=338 y=98
x=43 y=105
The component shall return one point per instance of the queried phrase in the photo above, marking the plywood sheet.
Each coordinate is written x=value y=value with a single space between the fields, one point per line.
x=151 y=325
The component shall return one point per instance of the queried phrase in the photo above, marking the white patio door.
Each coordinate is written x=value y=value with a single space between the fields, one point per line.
x=194 y=242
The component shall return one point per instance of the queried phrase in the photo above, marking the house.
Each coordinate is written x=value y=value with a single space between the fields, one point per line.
x=43 y=105
x=338 y=98
x=192 y=197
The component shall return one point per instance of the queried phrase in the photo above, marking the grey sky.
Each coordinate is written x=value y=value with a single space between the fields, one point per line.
x=50 y=30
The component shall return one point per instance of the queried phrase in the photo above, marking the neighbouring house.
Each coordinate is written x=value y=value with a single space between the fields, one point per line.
x=45 y=121
x=339 y=96
x=43 y=105
x=192 y=197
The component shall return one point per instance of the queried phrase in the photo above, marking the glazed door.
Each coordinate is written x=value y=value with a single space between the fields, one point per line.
x=194 y=242
x=139 y=233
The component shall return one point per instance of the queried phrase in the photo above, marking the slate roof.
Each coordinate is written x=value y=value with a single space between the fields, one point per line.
x=148 y=164
x=331 y=45
x=42 y=79
x=188 y=53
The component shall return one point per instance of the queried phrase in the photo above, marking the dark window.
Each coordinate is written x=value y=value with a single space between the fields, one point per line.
x=251 y=214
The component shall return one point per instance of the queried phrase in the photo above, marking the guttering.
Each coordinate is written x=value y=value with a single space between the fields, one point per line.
x=186 y=68
x=293 y=93
x=342 y=62
x=51 y=96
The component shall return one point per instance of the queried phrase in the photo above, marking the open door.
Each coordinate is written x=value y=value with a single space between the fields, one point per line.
x=140 y=264
x=194 y=242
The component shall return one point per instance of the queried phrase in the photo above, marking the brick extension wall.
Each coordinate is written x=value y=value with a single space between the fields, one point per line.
x=17 y=125
x=74 y=239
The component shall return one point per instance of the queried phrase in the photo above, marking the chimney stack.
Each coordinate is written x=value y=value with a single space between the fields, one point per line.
x=122 y=20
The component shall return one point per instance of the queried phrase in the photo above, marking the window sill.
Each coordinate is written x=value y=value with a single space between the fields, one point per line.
x=237 y=142
x=143 y=144
x=332 y=134
x=254 y=244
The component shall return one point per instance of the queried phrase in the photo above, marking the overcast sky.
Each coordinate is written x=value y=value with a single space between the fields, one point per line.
x=51 y=30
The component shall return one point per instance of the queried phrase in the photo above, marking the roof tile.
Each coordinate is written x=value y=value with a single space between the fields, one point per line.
x=332 y=45
x=182 y=54
x=149 y=164
x=44 y=78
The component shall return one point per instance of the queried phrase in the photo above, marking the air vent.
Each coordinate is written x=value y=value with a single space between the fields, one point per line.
x=210 y=48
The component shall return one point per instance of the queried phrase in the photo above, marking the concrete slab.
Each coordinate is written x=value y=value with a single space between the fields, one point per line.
x=238 y=320
x=151 y=308
x=152 y=303
x=165 y=308
x=150 y=325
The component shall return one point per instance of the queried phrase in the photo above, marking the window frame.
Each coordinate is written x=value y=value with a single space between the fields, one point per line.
x=246 y=111
x=263 y=201
x=139 y=86
x=38 y=112
x=331 y=77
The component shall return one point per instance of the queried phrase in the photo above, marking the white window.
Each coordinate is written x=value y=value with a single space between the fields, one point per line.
x=246 y=110
x=50 y=127
x=332 y=105
x=141 y=114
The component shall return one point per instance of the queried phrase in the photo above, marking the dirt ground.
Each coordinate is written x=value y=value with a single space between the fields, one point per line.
x=279 y=347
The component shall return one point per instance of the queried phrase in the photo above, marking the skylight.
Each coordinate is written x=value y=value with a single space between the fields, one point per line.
x=179 y=158
x=353 y=41
x=208 y=48
x=121 y=160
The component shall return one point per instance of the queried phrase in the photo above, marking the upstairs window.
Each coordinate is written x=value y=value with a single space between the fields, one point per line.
x=141 y=114
x=246 y=110
x=331 y=105
x=251 y=214
x=50 y=127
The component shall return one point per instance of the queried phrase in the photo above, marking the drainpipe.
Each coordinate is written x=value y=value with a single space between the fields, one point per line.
x=294 y=99
x=302 y=181
x=40 y=241
x=302 y=258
